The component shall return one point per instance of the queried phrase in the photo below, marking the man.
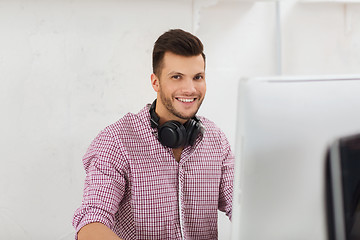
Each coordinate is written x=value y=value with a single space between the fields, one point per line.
x=164 y=172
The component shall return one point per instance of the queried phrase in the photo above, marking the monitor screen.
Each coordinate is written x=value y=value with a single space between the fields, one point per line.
x=284 y=127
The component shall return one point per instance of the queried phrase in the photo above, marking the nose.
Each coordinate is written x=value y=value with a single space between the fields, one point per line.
x=189 y=86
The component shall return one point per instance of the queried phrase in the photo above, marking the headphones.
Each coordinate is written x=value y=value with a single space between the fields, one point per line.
x=172 y=133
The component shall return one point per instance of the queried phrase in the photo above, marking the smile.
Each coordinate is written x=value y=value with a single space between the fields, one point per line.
x=186 y=100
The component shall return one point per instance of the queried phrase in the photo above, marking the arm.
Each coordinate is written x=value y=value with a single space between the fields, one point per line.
x=227 y=179
x=105 y=185
x=96 y=231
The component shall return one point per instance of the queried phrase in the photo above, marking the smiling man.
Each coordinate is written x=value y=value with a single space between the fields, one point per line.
x=164 y=172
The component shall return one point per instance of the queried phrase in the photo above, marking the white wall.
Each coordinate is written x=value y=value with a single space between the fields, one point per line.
x=320 y=38
x=69 y=68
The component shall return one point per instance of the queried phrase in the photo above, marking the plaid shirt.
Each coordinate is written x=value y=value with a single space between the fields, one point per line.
x=135 y=186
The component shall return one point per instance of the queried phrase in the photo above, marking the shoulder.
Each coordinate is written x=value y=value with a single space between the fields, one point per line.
x=214 y=140
x=210 y=127
x=213 y=135
x=112 y=143
x=132 y=132
x=130 y=125
x=128 y=121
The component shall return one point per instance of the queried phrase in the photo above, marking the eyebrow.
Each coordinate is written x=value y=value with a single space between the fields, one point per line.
x=175 y=73
x=179 y=73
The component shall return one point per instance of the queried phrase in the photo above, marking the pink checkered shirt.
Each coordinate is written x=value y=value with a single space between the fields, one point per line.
x=135 y=186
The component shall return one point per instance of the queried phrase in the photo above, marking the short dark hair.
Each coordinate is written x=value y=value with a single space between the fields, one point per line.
x=178 y=42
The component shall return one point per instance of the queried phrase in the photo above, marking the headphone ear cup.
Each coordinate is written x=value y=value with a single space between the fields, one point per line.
x=172 y=134
x=193 y=128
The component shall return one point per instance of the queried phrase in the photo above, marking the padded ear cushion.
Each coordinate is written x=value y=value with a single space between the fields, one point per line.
x=172 y=134
x=193 y=128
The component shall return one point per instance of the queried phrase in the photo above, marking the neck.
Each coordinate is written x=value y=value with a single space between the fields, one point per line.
x=177 y=153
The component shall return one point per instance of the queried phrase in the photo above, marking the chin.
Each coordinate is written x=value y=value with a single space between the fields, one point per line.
x=188 y=115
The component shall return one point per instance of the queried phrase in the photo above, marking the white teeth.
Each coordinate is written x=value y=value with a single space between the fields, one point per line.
x=186 y=100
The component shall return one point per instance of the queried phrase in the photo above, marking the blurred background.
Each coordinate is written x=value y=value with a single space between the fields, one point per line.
x=69 y=68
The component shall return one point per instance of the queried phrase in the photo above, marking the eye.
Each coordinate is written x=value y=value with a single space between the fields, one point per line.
x=176 y=77
x=198 y=77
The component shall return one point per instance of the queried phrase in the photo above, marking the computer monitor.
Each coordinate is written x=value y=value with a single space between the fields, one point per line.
x=343 y=188
x=284 y=127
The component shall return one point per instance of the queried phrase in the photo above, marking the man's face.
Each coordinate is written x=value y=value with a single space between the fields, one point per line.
x=180 y=88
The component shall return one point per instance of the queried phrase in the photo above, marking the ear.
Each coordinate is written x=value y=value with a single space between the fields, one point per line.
x=155 y=82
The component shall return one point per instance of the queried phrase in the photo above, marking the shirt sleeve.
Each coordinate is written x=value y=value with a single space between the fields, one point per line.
x=227 y=179
x=105 y=183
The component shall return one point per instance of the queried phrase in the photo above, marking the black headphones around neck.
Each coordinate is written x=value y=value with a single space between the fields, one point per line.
x=172 y=133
